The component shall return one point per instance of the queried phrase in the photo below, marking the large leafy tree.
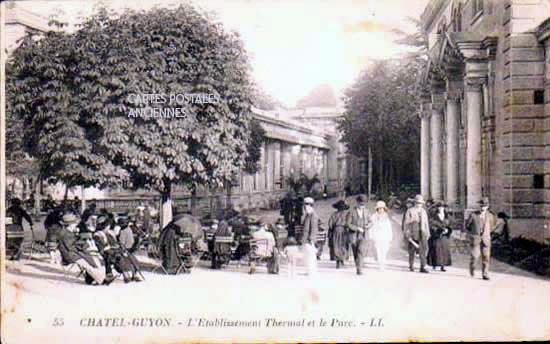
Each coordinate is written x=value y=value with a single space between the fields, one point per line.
x=381 y=113
x=75 y=92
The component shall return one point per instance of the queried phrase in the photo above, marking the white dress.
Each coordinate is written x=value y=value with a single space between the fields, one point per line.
x=381 y=231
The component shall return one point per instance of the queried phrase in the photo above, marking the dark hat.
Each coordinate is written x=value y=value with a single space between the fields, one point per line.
x=484 y=202
x=439 y=204
x=360 y=199
x=340 y=205
x=123 y=221
x=503 y=215
x=102 y=222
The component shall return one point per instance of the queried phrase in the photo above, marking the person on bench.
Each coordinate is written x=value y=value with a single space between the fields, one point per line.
x=221 y=252
x=266 y=248
x=73 y=253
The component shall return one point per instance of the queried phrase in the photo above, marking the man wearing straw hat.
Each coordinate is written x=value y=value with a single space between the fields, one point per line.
x=417 y=232
x=479 y=225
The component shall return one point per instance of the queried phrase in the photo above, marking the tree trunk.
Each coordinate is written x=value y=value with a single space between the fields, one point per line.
x=66 y=193
x=370 y=173
x=166 y=205
x=380 y=174
x=82 y=200
x=228 y=202
x=37 y=196
x=194 y=201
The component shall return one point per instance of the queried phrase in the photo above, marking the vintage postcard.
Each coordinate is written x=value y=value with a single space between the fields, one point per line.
x=252 y=171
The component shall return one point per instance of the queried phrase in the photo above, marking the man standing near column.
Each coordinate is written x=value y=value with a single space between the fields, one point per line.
x=480 y=224
x=417 y=233
x=358 y=223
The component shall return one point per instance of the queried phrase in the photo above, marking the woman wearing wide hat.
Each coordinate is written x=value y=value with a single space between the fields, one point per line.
x=381 y=233
x=337 y=233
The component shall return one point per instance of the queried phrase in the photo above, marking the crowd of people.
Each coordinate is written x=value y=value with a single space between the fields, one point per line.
x=426 y=232
x=97 y=242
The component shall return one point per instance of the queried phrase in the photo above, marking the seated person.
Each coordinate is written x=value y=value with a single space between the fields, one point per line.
x=266 y=248
x=168 y=247
x=293 y=254
x=72 y=252
x=112 y=252
x=221 y=251
x=126 y=235
x=53 y=224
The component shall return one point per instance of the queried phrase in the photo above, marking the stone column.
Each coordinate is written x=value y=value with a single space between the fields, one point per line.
x=332 y=165
x=473 y=87
x=295 y=161
x=436 y=146
x=453 y=125
x=276 y=149
x=425 y=154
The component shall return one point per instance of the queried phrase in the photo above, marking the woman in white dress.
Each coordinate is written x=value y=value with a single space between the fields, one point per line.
x=381 y=233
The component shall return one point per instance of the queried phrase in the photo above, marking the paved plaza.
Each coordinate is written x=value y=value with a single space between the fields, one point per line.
x=435 y=306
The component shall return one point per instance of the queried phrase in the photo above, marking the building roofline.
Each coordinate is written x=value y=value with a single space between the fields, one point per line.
x=17 y=15
x=431 y=11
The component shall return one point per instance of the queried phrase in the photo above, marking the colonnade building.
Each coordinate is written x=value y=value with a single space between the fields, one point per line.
x=485 y=117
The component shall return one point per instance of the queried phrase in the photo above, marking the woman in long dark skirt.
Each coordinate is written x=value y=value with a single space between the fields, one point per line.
x=337 y=233
x=439 y=252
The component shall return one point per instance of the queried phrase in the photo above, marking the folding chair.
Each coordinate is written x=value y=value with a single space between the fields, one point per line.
x=183 y=249
x=154 y=252
x=255 y=256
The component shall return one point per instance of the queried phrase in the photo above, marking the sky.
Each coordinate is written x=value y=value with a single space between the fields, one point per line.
x=295 y=45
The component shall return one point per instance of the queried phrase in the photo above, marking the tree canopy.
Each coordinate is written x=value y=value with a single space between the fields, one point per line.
x=381 y=113
x=74 y=97
x=322 y=95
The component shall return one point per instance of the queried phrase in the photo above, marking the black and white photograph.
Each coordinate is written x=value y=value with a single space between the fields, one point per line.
x=291 y=171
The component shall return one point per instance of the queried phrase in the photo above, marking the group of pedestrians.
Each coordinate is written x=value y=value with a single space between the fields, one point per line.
x=426 y=232
x=351 y=230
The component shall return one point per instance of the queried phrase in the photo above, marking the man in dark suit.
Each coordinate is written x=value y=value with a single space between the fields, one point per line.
x=479 y=225
x=358 y=223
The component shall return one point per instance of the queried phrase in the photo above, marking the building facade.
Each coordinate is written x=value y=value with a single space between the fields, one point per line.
x=485 y=119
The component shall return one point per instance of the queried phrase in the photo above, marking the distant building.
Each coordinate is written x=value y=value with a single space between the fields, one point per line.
x=486 y=118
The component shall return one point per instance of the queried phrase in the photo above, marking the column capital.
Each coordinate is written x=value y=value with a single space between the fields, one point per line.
x=489 y=44
x=474 y=84
x=543 y=32
x=454 y=94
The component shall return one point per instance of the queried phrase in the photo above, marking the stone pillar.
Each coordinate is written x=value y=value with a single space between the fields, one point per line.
x=453 y=125
x=269 y=164
x=332 y=165
x=295 y=160
x=425 y=154
x=436 y=147
x=473 y=87
x=276 y=151
x=286 y=161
